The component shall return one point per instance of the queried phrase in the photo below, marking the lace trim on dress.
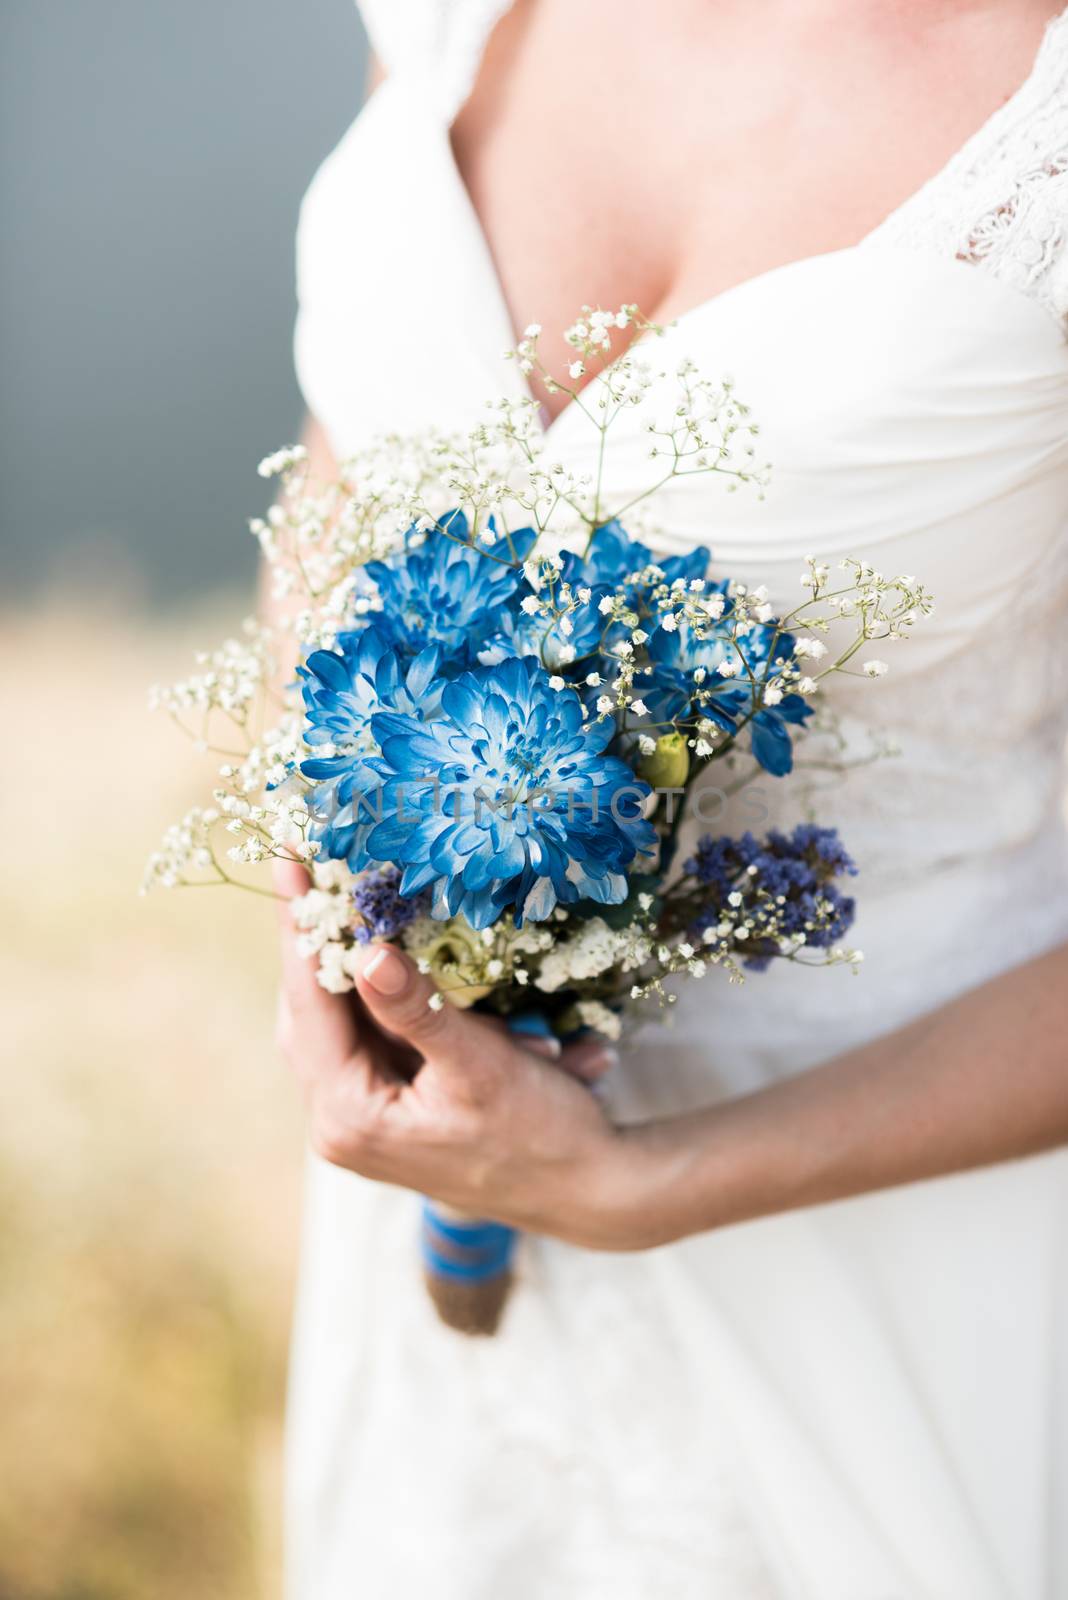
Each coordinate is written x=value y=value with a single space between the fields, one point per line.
x=1001 y=203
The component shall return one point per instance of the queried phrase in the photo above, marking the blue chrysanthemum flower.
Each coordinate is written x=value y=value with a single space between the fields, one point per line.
x=614 y=557
x=613 y=566
x=507 y=800
x=342 y=693
x=669 y=687
x=546 y=638
x=446 y=591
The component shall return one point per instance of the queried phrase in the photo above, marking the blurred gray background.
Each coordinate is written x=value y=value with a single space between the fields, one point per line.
x=154 y=153
x=153 y=159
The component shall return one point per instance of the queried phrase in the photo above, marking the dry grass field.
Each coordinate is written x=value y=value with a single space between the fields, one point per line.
x=150 y=1149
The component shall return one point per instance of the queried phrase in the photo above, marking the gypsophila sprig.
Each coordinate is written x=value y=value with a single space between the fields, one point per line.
x=484 y=703
x=495 y=690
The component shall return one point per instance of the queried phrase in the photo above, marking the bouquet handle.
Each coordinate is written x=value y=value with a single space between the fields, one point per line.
x=467 y=1261
x=467 y=1265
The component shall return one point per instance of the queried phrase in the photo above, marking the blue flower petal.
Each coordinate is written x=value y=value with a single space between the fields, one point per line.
x=771 y=744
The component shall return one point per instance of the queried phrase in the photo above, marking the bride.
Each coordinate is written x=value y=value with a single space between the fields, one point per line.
x=792 y=1315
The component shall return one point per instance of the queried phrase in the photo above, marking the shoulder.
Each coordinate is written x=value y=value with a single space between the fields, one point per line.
x=443 y=39
x=1001 y=204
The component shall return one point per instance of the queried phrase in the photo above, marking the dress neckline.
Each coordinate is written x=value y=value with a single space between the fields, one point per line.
x=988 y=129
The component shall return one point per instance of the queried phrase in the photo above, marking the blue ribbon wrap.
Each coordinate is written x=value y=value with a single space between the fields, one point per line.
x=475 y=1251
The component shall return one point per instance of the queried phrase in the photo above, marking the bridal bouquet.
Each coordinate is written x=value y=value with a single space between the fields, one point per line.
x=488 y=716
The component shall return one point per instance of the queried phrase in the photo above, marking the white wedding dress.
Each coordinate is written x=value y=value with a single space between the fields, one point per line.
x=866 y=1401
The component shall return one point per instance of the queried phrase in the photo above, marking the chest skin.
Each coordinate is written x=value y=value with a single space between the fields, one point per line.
x=615 y=151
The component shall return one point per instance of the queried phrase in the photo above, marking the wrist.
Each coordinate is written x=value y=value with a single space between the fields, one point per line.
x=635 y=1194
x=683 y=1175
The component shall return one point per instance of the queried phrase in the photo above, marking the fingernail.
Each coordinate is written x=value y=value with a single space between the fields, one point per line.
x=603 y=1062
x=386 y=971
x=540 y=1045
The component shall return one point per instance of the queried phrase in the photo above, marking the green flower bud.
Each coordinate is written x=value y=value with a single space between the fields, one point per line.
x=669 y=765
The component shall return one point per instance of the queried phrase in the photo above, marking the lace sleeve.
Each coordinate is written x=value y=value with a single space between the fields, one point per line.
x=1001 y=204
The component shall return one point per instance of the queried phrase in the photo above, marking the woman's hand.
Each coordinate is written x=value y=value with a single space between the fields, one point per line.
x=448 y=1103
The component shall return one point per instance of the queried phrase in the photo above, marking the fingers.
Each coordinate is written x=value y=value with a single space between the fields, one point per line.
x=542 y=1045
x=589 y=1059
x=316 y=1028
x=398 y=999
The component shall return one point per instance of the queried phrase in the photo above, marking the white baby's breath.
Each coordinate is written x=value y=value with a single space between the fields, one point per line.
x=241 y=703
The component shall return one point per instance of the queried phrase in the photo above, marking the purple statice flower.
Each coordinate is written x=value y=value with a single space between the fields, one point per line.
x=786 y=884
x=382 y=909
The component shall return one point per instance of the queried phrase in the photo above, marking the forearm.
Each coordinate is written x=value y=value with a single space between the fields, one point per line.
x=982 y=1080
